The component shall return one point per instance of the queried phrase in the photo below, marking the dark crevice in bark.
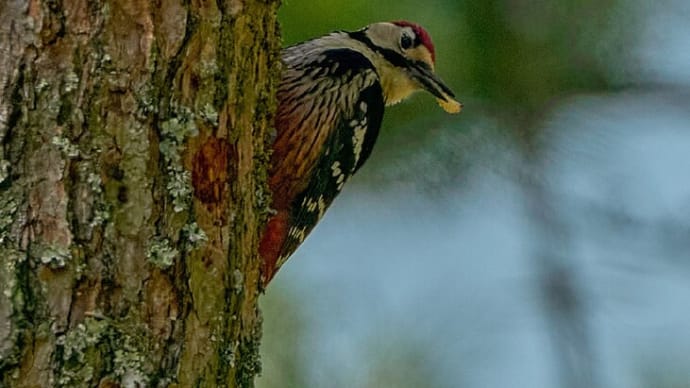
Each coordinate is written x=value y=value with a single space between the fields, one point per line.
x=16 y=100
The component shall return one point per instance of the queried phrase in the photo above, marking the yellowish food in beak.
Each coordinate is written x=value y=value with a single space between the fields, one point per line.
x=450 y=105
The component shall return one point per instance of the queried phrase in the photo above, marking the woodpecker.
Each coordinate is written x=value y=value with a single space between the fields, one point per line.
x=330 y=105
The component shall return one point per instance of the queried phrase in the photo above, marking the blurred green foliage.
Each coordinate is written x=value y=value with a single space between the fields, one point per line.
x=511 y=55
x=282 y=352
x=509 y=62
x=399 y=362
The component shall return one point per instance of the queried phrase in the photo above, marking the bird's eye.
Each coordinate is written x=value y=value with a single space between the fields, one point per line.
x=405 y=41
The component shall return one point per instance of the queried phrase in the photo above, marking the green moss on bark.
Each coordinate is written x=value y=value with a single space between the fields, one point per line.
x=116 y=271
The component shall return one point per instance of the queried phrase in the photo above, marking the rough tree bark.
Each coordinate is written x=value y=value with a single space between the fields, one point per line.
x=132 y=188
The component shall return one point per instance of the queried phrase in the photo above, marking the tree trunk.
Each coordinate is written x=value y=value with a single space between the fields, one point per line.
x=132 y=190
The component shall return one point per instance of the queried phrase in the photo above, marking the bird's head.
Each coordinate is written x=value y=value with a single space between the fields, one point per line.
x=405 y=62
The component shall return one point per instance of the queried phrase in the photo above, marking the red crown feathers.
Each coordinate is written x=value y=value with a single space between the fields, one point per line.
x=422 y=35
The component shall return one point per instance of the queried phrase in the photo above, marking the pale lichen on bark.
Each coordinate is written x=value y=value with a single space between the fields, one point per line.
x=131 y=133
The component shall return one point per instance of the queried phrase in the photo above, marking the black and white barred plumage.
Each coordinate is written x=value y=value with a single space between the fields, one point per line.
x=331 y=101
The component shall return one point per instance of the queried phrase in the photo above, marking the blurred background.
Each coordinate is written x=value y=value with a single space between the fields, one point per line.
x=539 y=239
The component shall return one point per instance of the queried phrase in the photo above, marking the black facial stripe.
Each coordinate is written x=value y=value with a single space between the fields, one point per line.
x=390 y=55
x=402 y=62
x=423 y=65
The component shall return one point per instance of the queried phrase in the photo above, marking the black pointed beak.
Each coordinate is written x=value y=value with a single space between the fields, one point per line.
x=424 y=75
